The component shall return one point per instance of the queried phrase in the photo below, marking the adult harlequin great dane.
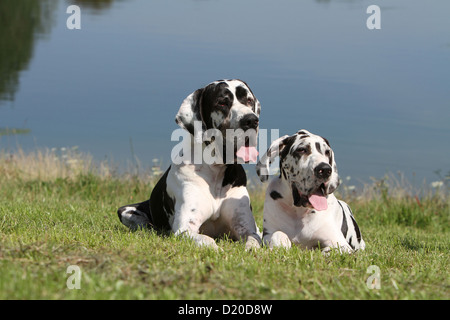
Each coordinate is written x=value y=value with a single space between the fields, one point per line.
x=300 y=207
x=199 y=200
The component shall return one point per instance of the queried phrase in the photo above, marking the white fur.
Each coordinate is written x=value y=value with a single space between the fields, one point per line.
x=285 y=223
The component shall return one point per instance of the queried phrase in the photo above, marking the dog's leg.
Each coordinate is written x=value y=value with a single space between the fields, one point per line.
x=136 y=216
x=200 y=239
x=277 y=239
x=237 y=212
x=340 y=244
x=189 y=217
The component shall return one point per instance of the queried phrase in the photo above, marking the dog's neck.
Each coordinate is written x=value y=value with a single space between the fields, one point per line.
x=217 y=169
x=192 y=152
x=287 y=202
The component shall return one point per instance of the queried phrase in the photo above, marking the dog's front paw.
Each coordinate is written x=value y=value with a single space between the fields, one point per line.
x=279 y=239
x=253 y=242
x=208 y=243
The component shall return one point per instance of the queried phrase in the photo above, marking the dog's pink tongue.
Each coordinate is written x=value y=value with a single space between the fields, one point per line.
x=247 y=153
x=318 y=202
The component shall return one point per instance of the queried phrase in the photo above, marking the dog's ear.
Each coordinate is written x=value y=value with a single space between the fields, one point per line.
x=189 y=112
x=262 y=168
x=257 y=107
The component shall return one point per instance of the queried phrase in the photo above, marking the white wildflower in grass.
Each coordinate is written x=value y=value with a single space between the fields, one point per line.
x=72 y=161
x=436 y=184
x=156 y=171
x=156 y=167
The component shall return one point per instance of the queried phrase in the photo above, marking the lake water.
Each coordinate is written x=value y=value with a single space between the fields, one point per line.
x=112 y=88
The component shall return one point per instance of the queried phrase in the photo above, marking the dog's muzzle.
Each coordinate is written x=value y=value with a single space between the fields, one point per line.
x=248 y=151
x=323 y=171
x=249 y=121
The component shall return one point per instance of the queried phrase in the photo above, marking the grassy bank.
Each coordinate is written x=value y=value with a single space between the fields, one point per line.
x=58 y=208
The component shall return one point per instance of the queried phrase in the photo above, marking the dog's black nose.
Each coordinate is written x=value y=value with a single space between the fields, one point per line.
x=249 y=121
x=323 y=171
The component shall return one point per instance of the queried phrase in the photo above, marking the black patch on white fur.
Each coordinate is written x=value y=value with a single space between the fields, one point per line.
x=242 y=96
x=285 y=146
x=358 y=232
x=299 y=201
x=234 y=175
x=215 y=98
x=344 y=226
x=329 y=154
x=326 y=141
x=302 y=150
x=142 y=207
x=275 y=195
x=161 y=205
x=264 y=230
x=318 y=147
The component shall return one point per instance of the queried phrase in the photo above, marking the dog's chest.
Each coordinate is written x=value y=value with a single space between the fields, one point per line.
x=217 y=195
x=307 y=227
x=208 y=182
x=304 y=227
x=213 y=183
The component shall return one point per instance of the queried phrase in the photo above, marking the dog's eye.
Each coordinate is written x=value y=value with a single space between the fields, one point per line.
x=222 y=103
x=300 y=150
x=327 y=153
x=250 y=101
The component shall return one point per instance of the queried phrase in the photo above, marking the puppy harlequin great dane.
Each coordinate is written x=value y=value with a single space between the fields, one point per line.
x=300 y=206
x=199 y=200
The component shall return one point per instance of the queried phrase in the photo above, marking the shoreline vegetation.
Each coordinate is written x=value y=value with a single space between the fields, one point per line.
x=58 y=208
x=13 y=131
x=47 y=164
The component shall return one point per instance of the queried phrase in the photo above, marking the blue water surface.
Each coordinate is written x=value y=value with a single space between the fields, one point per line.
x=112 y=88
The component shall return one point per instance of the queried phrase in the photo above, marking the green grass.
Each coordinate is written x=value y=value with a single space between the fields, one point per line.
x=49 y=224
x=13 y=131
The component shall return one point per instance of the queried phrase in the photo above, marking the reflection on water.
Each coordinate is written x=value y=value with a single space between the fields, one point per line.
x=376 y=95
x=95 y=6
x=21 y=23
